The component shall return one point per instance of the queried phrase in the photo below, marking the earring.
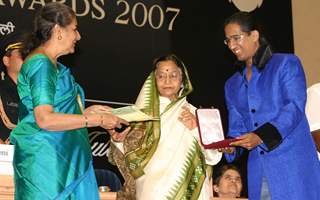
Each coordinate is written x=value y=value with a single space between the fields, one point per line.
x=215 y=188
x=2 y=75
x=59 y=37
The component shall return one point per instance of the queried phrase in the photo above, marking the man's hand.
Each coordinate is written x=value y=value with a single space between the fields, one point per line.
x=248 y=141
x=316 y=138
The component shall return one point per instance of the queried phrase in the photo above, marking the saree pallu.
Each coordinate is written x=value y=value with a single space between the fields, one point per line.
x=50 y=164
x=178 y=168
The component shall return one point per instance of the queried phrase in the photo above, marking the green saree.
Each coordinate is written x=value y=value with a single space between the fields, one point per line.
x=50 y=165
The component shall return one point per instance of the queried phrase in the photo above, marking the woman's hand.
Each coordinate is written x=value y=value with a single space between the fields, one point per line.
x=1 y=142
x=187 y=118
x=110 y=121
x=96 y=109
x=227 y=149
x=119 y=136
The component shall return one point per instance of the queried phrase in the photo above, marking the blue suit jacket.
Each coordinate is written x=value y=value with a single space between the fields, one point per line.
x=275 y=97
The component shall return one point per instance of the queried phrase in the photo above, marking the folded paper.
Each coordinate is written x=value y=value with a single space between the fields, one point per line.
x=131 y=114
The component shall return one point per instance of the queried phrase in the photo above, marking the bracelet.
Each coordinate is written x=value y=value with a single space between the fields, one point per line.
x=86 y=121
x=101 y=120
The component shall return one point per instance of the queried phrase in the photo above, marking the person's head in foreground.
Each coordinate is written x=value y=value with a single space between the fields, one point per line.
x=227 y=182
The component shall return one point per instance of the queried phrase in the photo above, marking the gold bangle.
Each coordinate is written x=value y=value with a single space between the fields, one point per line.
x=86 y=121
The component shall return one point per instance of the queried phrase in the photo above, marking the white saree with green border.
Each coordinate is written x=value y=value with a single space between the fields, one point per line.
x=169 y=162
x=169 y=173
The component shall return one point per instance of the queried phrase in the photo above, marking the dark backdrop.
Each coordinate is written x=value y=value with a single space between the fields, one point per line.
x=121 y=38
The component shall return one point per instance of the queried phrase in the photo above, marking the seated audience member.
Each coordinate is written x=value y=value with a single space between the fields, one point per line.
x=313 y=113
x=227 y=182
x=9 y=98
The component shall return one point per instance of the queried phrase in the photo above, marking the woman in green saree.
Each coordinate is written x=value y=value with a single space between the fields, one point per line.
x=164 y=159
x=52 y=158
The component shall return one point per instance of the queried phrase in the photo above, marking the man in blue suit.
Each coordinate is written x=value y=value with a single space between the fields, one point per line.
x=266 y=106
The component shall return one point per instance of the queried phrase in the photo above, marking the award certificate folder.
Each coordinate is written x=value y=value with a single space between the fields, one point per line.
x=210 y=129
x=131 y=114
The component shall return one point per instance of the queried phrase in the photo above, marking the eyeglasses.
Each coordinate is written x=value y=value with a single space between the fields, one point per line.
x=235 y=38
x=173 y=76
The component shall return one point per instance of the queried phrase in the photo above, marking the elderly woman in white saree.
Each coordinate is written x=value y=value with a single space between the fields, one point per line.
x=163 y=159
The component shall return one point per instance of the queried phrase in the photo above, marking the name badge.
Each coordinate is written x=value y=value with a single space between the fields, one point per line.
x=6 y=158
